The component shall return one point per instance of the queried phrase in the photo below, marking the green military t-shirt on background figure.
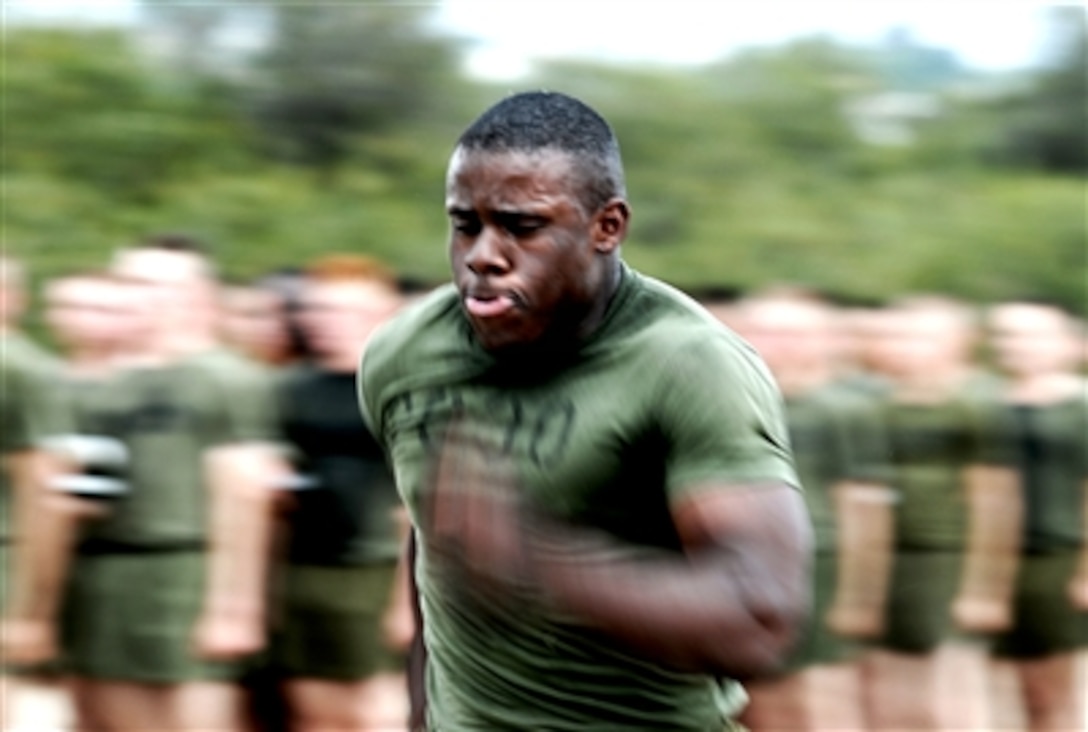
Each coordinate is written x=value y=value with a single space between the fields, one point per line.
x=137 y=584
x=836 y=437
x=1052 y=442
x=341 y=541
x=29 y=412
x=659 y=400
x=932 y=444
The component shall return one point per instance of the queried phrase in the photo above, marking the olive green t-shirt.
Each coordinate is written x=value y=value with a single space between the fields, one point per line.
x=660 y=400
x=931 y=446
x=30 y=407
x=1053 y=452
x=836 y=436
x=167 y=417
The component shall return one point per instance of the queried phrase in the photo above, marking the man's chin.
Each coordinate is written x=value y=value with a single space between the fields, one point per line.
x=499 y=342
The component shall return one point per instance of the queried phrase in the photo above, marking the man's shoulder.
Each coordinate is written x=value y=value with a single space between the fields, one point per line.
x=426 y=316
x=224 y=362
x=19 y=353
x=426 y=341
x=695 y=330
x=673 y=319
x=427 y=325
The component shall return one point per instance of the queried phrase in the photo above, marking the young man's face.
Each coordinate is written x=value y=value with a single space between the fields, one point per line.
x=87 y=312
x=338 y=317
x=524 y=251
x=1031 y=340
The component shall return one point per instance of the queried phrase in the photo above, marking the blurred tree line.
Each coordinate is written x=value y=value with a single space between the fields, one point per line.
x=278 y=132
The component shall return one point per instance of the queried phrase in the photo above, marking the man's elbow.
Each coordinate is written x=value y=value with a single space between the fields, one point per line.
x=761 y=648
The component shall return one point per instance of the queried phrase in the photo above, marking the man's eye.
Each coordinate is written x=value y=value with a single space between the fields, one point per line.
x=468 y=227
x=519 y=228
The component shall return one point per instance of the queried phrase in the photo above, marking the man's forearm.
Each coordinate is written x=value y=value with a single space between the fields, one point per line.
x=866 y=534
x=46 y=526
x=240 y=530
x=995 y=513
x=712 y=612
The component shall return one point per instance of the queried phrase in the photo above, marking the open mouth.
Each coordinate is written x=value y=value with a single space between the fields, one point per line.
x=488 y=306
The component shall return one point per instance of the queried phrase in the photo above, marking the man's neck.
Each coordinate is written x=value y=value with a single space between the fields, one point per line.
x=610 y=285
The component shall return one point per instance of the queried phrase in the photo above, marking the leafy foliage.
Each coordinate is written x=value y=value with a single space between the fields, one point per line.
x=334 y=135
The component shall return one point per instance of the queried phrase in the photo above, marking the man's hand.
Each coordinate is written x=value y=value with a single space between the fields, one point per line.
x=25 y=641
x=398 y=626
x=855 y=621
x=981 y=614
x=219 y=636
x=475 y=515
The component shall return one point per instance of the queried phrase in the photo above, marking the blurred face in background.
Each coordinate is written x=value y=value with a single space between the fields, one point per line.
x=926 y=342
x=254 y=321
x=338 y=316
x=1032 y=340
x=88 y=314
x=177 y=286
x=791 y=336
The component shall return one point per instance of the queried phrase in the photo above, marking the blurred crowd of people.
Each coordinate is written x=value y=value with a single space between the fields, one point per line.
x=200 y=533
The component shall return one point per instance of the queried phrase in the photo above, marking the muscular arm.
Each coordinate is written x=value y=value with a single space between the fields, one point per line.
x=729 y=606
x=995 y=513
x=239 y=479
x=46 y=526
x=866 y=534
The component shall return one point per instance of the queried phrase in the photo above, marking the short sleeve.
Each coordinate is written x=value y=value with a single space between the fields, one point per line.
x=995 y=433
x=363 y=394
x=34 y=407
x=722 y=419
x=246 y=402
x=867 y=445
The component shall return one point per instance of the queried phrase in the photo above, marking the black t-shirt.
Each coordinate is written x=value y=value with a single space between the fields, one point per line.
x=345 y=515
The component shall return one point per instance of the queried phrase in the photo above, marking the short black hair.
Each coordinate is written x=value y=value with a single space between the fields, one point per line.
x=174 y=241
x=542 y=120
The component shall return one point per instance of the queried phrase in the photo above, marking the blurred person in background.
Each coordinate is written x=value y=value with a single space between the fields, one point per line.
x=865 y=349
x=255 y=323
x=1037 y=347
x=86 y=314
x=287 y=284
x=954 y=524
x=30 y=698
x=166 y=588
x=89 y=315
x=841 y=459
x=345 y=525
x=610 y=531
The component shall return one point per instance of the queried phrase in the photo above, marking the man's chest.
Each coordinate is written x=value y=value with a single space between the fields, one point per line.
x=568 y=445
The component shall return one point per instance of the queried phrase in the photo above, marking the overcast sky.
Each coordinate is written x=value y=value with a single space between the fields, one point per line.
x=986 y=34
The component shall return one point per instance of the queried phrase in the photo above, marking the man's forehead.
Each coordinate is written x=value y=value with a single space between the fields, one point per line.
x=157 y=266
x=512 y=160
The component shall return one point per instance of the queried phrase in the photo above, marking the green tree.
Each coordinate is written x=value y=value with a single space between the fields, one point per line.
x=331 y=74
x=86 y=106
x=1047 y=124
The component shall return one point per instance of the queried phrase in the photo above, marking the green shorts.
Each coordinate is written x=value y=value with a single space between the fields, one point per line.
x=817 y=643
x=331 y=622
x=920 y=595
x=1045 y=622
x=130 y=617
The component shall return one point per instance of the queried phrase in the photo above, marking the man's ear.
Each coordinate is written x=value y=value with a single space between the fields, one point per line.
x=610 y=225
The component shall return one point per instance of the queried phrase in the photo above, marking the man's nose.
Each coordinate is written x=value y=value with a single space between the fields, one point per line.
x=487 y=256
